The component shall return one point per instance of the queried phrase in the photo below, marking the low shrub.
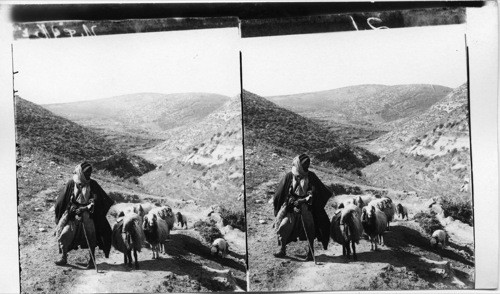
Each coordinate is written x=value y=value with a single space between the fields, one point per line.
x=428 y=221
x=208 y=230
x=458 y=209
x=236 y=219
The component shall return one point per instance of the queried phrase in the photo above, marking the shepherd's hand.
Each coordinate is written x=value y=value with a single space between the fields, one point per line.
x=81 y=210
x=296 y=209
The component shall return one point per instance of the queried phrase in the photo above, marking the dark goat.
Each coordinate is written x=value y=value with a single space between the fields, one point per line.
x=181 y=220
x=128 y=236
x=374 y=223
x=402 y=211
x=346 y=229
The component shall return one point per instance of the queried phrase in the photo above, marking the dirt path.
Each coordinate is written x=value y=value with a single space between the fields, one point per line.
x=182 y=269
x=187 y=265
x=404 y=262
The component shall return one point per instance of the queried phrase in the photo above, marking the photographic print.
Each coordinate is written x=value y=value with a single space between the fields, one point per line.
x=358 y=160
x=129 y=157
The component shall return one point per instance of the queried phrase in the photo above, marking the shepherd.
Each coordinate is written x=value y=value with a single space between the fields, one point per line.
x=80 y=215
x=299 y=208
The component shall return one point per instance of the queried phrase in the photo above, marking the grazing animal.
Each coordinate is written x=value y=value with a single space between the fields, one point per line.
x=385 y=205
x=346 y=228
x=156 y=231
x=128 y=236
x=141 y=209
x=374 y=224
x=181 y=220
x=357 y=200
x=220 y=246
x=402 y=211
x=439 y=237
x=165 y=213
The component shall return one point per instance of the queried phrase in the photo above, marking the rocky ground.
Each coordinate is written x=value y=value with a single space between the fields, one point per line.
x=406 y=261
x=187 y=265
x=134 y=167
x=418 y=135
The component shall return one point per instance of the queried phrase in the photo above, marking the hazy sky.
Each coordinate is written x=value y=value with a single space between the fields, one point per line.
x=306 y=63
x=72 y=69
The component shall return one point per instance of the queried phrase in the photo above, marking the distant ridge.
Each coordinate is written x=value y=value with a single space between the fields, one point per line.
x=265 y=122
x=431 y=152
x=141 y=112
x=367 y=104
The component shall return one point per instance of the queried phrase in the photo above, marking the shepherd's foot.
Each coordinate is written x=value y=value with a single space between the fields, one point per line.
x=280 y=254
x=90 y=265
x=61 y=261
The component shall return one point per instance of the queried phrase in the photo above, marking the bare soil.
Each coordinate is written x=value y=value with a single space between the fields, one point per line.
x=187 y=266
x=399 y=264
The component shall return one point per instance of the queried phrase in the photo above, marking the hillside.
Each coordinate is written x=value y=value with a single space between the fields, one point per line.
x=431 y=151
x=141 y=114
x=206 y=170
x=405 y=261
x=207 y=154
x=364 y=105
x=42 y=133
x=39 y=130
x=288 y=132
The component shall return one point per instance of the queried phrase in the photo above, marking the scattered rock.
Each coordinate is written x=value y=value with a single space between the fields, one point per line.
x=259 y=201
x=261 y=221
x=38 y=209
x=430 y=202
x=170 y=276
x=236 y=175
x=42 y=230
x=449 y=220
x=437 y=209
x=217 y=218
x=208 y=212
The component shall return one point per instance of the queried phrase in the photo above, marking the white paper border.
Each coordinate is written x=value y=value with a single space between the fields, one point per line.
x=482 y=38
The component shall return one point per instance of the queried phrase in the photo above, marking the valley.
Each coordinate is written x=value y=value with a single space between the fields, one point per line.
x=189 y=159
x=415 y=150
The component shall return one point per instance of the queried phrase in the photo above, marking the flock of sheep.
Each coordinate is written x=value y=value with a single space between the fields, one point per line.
x=372 y=216
x=353 y=217
x=137 y=225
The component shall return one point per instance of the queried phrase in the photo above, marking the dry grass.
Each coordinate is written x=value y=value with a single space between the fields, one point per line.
x=208 y=230
x=458 y=208
x=236 y=219
x=428 y=222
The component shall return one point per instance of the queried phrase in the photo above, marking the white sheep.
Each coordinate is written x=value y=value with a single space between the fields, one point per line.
x=220 y=246
x=439 y=237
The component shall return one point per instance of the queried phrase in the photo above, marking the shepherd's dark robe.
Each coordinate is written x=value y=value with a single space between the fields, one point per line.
x=320 y=196
x=102 y=203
